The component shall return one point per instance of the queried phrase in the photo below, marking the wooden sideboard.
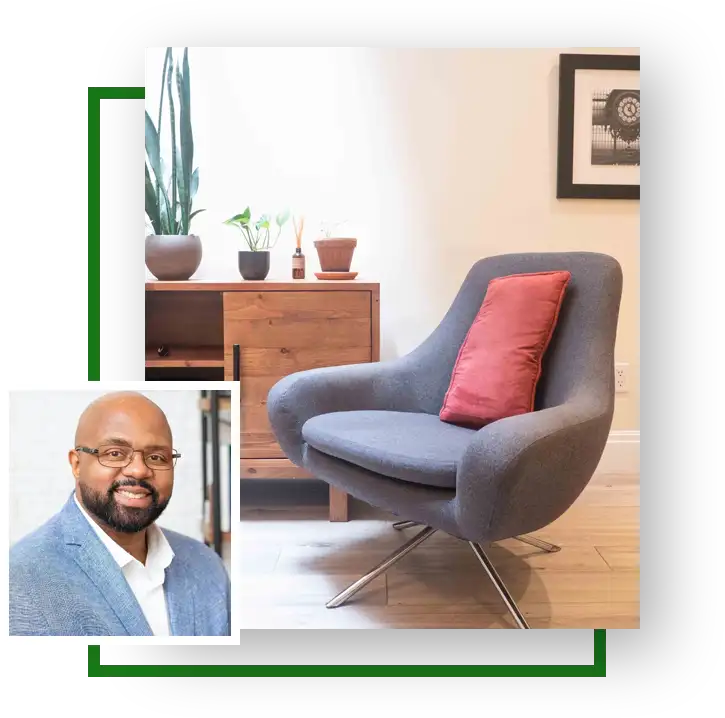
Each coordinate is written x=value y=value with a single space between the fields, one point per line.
x=257 y=333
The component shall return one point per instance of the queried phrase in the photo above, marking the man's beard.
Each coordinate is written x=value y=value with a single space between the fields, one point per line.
x=126 y=519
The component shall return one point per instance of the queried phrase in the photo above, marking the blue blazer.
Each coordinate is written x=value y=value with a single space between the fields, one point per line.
x=64 y=582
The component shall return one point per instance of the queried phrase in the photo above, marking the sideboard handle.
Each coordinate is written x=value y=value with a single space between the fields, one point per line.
x=236 y=369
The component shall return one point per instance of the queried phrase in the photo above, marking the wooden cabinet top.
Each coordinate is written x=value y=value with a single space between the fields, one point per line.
x=267 y=285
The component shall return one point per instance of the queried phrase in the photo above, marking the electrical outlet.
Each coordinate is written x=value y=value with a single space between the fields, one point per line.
x=621 y=378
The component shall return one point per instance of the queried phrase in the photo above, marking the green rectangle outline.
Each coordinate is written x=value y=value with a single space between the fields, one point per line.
x=597 y=669
x=95 y=668
x=95 y=95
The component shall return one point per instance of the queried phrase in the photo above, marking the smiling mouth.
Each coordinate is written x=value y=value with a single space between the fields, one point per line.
x=133 y=494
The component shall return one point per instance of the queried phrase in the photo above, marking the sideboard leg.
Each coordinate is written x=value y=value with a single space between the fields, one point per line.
x=338 y=505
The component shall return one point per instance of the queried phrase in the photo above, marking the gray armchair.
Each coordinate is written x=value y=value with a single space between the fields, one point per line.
x=373 y=430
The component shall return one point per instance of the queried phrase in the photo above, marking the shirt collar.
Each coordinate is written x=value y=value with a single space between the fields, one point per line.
x=159 y=552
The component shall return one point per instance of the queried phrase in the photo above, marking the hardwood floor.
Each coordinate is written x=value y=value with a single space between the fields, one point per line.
x=293 y=561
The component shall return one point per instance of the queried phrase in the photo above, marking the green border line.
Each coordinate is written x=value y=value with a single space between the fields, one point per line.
x=95 y=669
x=597 y=669
x=95 y=95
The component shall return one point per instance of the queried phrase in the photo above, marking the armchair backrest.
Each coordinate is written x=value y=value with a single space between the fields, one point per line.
x=579 y=363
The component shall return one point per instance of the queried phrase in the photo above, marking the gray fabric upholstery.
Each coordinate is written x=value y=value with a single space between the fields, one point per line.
x=515 y=475
x=413 y=447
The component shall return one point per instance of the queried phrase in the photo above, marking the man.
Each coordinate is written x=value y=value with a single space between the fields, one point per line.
x=101 y=566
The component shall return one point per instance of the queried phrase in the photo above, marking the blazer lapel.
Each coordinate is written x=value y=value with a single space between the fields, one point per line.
x=180 y=602
x=97 y=563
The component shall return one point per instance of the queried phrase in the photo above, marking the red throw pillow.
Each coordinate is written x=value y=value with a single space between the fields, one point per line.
x=499 y=364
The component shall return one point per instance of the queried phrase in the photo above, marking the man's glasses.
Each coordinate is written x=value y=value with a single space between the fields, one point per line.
x=118 y=457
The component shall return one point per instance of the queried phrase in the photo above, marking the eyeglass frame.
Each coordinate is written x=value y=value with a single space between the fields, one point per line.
x=175 y=455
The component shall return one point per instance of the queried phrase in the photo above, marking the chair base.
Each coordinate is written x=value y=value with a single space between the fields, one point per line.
x=499 y=584
x=382 y=567
x=418 y=539
x=532 y=541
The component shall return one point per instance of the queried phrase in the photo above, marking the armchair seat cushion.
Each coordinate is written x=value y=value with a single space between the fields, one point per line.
x=418 y=448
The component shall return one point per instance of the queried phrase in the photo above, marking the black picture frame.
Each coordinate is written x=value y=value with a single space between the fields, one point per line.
x=565 y=188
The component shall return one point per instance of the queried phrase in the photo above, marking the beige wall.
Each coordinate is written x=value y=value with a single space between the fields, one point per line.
x=437 y=158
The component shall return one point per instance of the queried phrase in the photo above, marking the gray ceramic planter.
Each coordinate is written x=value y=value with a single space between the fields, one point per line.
x=254 y=265
x=173 y=256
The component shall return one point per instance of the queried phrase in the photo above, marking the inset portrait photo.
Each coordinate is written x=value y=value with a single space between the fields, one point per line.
x=120 y=511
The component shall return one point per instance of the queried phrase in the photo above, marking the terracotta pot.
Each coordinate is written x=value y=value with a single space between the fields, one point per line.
x=172 y=257
x=254 y=265
x=335 y=254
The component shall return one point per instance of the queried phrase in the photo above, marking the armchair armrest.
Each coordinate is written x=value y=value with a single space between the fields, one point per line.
x=355 y=387
x=521 y=473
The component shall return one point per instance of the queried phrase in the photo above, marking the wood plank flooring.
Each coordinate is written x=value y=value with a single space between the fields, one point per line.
x=293 y=561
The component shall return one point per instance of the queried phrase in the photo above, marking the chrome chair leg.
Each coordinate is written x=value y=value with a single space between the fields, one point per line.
x=400 y=525
x=545 y=545
x=531 y=540
x=500 y=585
x=351 y=590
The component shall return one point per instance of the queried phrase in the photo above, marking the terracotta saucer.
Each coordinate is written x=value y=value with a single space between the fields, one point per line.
x=336 y=275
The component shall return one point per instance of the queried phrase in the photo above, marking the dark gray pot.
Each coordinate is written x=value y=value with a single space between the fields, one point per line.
x=172 y=257
x=254 y=265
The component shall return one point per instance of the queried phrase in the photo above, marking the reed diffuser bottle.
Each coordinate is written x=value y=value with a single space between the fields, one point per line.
x=298 y=259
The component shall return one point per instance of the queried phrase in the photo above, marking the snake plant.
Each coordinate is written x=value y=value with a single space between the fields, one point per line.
x=169 y=200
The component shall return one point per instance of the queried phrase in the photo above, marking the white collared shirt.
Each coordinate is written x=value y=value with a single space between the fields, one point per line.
x=146 y=581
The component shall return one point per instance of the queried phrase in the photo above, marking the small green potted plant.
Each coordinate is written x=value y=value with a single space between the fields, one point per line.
x=254 y=262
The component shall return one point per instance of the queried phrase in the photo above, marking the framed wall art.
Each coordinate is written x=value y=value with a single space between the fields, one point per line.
x=599 y=127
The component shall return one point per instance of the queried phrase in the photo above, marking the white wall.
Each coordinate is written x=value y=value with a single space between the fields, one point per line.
x=42 y=428
x=438 y=158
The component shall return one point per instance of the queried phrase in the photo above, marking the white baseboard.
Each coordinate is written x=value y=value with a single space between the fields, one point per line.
x=621 y=454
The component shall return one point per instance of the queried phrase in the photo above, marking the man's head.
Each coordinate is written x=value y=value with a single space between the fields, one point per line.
x=125 y=498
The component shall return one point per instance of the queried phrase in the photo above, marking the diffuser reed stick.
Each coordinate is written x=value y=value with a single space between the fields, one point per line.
x=299 y=230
